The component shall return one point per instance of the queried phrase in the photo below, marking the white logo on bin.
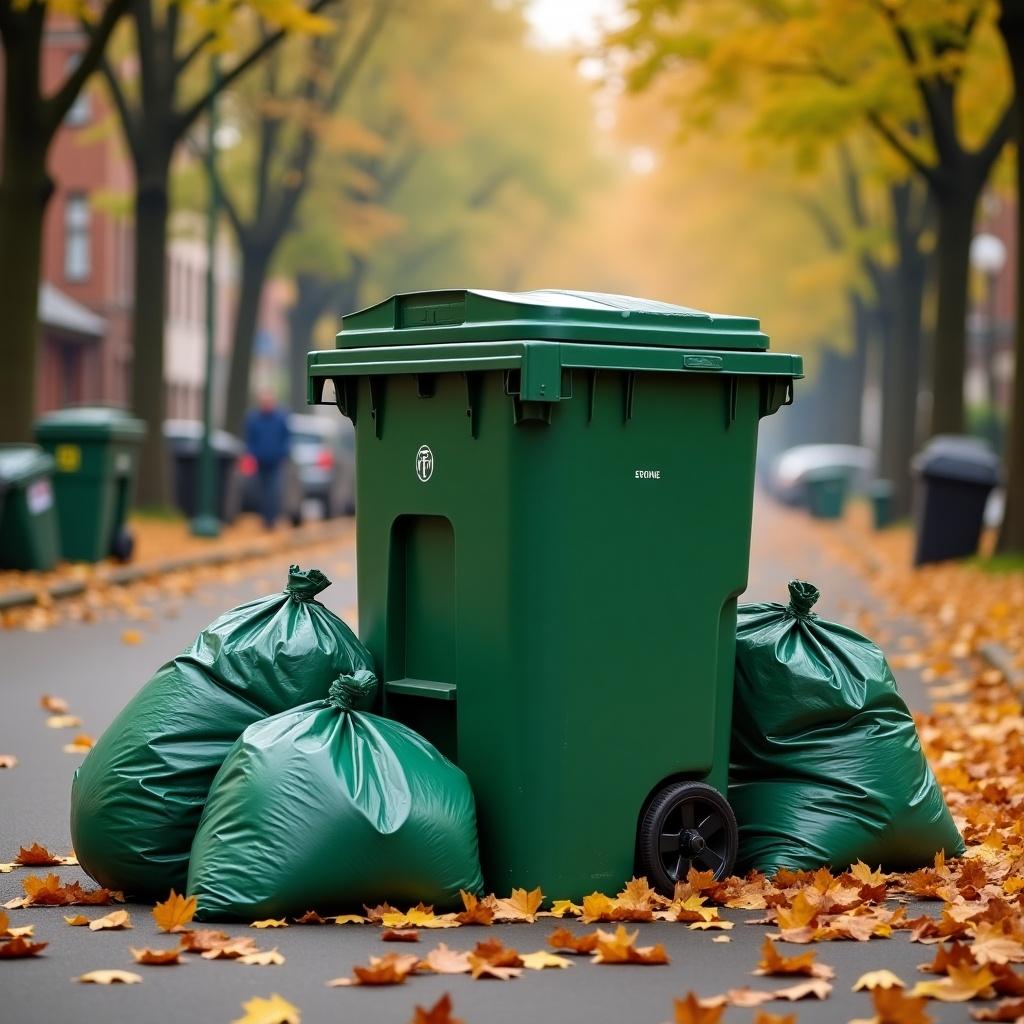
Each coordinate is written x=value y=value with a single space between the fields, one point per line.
x=424 y=463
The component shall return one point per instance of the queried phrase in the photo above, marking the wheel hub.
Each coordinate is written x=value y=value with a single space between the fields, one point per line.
x=692 y=842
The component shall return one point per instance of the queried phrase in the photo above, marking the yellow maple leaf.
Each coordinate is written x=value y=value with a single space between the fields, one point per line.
x=274 y=1010
x=961 y=984
x=270 y=922
x=174 y=913
x=520 y=906
x=115 y=920
x=542 y=958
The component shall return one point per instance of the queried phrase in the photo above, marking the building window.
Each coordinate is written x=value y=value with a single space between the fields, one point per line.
x=77 y=242
x=80 y=111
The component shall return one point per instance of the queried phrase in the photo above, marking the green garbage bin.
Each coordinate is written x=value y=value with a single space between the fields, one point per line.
x=28 y=519
x=554 y=496
x=96 y=450
x=825 y=488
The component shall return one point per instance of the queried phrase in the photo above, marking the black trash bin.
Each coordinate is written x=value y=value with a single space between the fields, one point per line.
x=955 y=477
x=184 y=439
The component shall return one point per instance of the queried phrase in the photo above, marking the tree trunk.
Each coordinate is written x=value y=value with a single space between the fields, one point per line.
x=25 y=189
x=148 y=388
x=1011 y=534
x=955 y=216
x=312 y=298
x=255 y=260
x=901 y=352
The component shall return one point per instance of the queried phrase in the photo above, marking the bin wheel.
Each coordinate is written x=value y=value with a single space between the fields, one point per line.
x=687 y=824
x=123 y=545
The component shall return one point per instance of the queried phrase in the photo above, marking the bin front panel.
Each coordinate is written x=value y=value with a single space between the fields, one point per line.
x=570 y=571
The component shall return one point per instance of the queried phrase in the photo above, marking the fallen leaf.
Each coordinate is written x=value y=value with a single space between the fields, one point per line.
x=203 y=941
x=274 y=1010
x=174 y=913
x=689 y=1010
x=20 y=947
x=109 y=978
x=63 y=722
x=131 y=637
x=443 y=960
x=877 y=979
x=959 y=985
x=562 y=908
x=394 y=935
x=894 y=1006
x=418 y=917
x=993 y=943
x=520 y=906
x=312 y=917
x=8 y=761
x=392 y=969
x=37 y=856
x=955 y=954
x=492 y=959
x=375 y=915
x=721 y=938
x=7 y=932
x=55 y=705
x=542 y=959
x=115 y=921
x=562 y=938
x=772 y=963
x=620 y=948
x=81 y=744
x=231 y=950
x=476 y=911
x=350 y=919
x=439 y=1013
x=1004 y=1010
x=262 y=958
x=157 y=957
x=270 y=922
x=50 y=891
x=764 y=1017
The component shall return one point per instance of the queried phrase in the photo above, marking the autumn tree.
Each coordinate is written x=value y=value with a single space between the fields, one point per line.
x=926 y=78
x=32 y=113
x=160 y=94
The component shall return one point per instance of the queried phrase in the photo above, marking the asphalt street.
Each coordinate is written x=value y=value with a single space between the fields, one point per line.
x=97 y=673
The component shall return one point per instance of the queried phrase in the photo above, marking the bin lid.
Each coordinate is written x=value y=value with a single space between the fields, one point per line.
x=956 y=457
x=548 y=314
x=22 y=462
x=88 y=423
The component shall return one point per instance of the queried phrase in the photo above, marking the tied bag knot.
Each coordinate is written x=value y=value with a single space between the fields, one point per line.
x=353 y=692
x=305 y=584
x=802 y=598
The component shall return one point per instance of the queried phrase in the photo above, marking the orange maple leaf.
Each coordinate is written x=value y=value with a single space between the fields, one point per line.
x=520 y=906
x=562 y=938
x=772 y=963
x=620 y=948
x=689 y=1010
x=439 y=1013
x=174 y=913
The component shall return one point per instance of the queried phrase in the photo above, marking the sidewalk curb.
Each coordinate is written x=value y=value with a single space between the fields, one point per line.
x=125 y=575
x=1003 y=661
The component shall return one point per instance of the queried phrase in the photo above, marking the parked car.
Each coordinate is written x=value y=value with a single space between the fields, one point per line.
x=321 y=469
x=789 y=472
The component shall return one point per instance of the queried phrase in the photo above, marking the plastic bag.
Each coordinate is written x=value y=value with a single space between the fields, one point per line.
x=827 y=767
x=137 y=798
x=327 y=808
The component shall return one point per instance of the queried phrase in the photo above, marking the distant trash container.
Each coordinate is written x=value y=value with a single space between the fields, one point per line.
x=825 y=491
x=96 y=451
x=184 y=439
x=880 y=493
x=29 y=538
x=955 y=477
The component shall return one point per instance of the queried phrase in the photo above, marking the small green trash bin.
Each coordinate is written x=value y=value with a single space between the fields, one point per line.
x=825 y=489
x=554 y=494
x=881 y=493
x=28 y=518
x=96 y=450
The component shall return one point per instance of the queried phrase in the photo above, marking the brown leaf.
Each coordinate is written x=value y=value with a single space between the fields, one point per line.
x=620 y=948
x=439 y=1013
x=231 y=950
x=51 y=892
x=492 y=959
x=772 y=963
x=690 y=1011
x=174 y=913
x=1004 y=1010
x=764 y=1017
x=157 y=957
x=311 y=917
x=392 y=969
x=203 y=941
x=894 y=1006
x=20 y=947
x=562 y=938
x=395 y=935
x=109 y=978
x=37 y=856
x=954 y=955
x=376 y=914
x=476 y=912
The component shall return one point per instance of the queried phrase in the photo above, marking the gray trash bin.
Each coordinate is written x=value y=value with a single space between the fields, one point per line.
x=183 y=439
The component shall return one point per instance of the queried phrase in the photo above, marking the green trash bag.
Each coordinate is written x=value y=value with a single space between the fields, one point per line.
x=827 y=767
x=137 y=797
x=327 y=808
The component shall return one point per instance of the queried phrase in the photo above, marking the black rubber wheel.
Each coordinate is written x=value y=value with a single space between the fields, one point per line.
x=686 y=824
x=123 y=546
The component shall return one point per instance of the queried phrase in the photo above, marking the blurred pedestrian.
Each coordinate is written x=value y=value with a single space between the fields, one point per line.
x=269 y=442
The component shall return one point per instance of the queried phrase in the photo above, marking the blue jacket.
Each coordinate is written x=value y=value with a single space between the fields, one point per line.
x=267 y=436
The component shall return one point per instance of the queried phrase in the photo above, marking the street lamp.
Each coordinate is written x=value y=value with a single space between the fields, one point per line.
x=206 y=522
x=988 y=257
